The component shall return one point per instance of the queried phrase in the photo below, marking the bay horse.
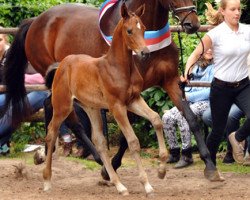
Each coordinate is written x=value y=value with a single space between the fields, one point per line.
x=74 y=29
x=112 y=82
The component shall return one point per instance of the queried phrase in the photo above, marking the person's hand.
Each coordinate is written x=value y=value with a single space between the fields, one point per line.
x=183 y=79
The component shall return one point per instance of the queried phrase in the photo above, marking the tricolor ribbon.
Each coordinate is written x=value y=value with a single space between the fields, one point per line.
x=155 y=40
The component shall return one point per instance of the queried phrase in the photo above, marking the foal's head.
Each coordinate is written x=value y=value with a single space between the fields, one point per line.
x=133 y=31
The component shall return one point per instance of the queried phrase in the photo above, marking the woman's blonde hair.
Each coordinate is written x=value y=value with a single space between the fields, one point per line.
x=5 y=37
x=214 y=17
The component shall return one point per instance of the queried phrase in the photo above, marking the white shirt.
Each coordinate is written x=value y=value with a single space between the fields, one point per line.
x=230 y=51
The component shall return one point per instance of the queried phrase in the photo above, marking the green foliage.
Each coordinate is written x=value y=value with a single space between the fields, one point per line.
x=28 y=133
x=12 y=12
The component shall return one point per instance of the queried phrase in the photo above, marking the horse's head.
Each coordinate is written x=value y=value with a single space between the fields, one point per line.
x=133 y=31
x=185 y=12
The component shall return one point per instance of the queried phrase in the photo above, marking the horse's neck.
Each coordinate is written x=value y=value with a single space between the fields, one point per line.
x=119 y=55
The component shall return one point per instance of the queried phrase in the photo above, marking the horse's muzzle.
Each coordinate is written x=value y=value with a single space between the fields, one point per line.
x=144 y=53
x=190 y=28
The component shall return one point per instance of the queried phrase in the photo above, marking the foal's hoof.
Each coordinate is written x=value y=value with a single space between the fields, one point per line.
x=124 y=193
x=213 y=175
x=161 y=172
x=104 y=174
x=39 y=156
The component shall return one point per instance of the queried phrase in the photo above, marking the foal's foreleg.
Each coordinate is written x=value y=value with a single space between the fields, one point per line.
x=120 y=115
x=140 y=108
x=101 y=147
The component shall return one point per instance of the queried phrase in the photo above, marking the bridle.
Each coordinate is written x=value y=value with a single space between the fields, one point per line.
x=176 y=11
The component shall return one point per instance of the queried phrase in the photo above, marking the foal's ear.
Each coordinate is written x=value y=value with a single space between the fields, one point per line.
x=124 y=11
x=140 y=11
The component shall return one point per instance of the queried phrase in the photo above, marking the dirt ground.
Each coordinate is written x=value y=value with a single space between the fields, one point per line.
x=72 y=181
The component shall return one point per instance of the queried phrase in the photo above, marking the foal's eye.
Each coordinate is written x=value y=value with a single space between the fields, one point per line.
x=129 y=31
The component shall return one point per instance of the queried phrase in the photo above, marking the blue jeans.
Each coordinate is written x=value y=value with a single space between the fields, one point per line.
x=233 y=121
x=35 y=99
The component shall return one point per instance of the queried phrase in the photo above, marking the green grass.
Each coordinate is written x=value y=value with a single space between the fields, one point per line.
x=89 y=164
x=128 y=162
x=235 y=167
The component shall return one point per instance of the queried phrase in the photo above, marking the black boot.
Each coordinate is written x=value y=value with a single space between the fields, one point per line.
x=186 y=159
x=228 y=159
x=174 y=155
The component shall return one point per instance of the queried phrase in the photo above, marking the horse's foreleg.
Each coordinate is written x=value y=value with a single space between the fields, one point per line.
x=141 y=108
x=174 y=93
x=77 y=128
x=101 y=147
x=210 y=171
x=117 y=159
x=120 y=115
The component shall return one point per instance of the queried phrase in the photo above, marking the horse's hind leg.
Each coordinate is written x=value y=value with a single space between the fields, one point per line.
x=140 y=108
x=101 y=146
x=60 y=111
x=120 y=114
x=174 y=93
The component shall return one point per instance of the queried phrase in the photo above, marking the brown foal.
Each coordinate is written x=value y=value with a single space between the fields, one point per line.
x=111 y=81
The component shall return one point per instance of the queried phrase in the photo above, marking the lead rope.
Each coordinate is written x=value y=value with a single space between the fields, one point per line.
x=182 y=85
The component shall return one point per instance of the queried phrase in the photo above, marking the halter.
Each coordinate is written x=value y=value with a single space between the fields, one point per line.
x=176 y=11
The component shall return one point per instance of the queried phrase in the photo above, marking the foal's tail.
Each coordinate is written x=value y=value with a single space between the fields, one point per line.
x=15 y=66
x=50 y=75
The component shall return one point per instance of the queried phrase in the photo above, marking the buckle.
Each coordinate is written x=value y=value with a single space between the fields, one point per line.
x=237 y=84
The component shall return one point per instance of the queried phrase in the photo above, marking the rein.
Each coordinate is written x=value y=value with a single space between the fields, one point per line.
x=189 y=10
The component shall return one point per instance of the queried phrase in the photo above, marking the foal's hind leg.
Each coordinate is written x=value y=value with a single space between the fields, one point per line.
x=101 y=147
x=140 y=108
x=59 y=114
x=120 y=114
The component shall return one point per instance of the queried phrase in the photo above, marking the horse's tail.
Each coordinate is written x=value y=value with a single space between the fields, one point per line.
x=15 y=66
x=50 y=75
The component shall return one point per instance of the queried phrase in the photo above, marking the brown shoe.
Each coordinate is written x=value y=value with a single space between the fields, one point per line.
x=238 y=148
x=67 y=148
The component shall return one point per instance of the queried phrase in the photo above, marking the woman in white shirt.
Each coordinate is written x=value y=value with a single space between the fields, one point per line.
x=230 y=42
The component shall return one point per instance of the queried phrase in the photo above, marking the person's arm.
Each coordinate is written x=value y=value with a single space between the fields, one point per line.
x=197 y=53
x=34 y=79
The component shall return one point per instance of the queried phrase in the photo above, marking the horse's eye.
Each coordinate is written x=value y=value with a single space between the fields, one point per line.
x=129 y=31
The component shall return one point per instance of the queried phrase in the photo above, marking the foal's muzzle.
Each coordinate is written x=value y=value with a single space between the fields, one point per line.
x=144 y=53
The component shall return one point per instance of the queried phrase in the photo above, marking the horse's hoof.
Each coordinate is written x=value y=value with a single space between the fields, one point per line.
x=161 y=173
x=39 y=156
x=47 y=186
x=124 y=193
x=150 y=195
x=149 y=191
x=104 y=174
x=122 y=189
x=213 y=175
